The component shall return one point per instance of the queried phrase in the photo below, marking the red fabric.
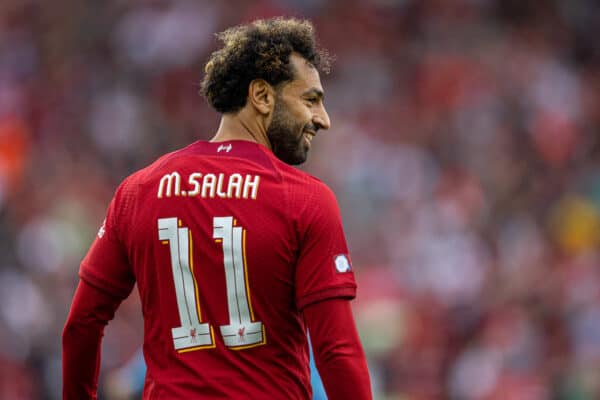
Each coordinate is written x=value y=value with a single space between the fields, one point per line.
x=338 y=353
x=90 y=312
x=292 y=235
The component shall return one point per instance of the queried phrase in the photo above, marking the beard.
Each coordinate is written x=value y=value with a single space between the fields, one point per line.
x=287 y=136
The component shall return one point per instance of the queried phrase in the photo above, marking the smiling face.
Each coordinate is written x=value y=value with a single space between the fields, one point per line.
x=298 y=114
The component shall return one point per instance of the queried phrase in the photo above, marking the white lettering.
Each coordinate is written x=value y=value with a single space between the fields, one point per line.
x=220 y=191
x=234 y=186
x=208 y=185
x=168 y=181
x=251 y=182
x=193 y=181
x=235 y=183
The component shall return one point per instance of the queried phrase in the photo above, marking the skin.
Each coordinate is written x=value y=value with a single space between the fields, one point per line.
x=284 y=119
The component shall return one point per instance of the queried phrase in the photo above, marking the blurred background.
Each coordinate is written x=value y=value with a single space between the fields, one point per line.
x=464 y=151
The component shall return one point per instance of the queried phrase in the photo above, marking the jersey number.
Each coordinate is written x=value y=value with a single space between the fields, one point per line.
x=242 y=331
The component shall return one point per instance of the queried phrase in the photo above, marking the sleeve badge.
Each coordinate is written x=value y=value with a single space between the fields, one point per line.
x=342 y=263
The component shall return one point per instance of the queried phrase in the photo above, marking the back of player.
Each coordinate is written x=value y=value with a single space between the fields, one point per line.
x=227 y=245
x=235 y=253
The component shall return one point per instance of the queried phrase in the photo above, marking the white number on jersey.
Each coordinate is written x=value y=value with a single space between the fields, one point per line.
x=242 y=331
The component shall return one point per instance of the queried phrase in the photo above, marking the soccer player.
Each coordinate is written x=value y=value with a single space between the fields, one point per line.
x=236 y=254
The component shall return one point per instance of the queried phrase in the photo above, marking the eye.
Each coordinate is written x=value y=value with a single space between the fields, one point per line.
x=312 y=100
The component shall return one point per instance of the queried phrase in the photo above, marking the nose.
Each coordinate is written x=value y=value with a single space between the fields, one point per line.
x=321 y=118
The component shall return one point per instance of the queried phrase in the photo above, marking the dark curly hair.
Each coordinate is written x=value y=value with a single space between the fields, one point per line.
x=259 y=50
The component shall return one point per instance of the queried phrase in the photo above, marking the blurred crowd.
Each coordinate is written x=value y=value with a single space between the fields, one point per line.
x=464 y=151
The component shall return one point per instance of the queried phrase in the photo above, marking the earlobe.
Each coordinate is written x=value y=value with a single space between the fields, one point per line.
x=262 y=96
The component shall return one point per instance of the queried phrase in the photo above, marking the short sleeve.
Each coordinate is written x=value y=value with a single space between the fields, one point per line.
x=324 y=269
x=106 y=264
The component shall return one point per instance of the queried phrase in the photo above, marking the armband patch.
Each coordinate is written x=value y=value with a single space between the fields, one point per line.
x=342 y=263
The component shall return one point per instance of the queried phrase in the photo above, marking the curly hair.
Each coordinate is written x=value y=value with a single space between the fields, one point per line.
x=259 y=50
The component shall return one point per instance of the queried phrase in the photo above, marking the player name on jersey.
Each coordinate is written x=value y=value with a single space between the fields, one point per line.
x=209 y=185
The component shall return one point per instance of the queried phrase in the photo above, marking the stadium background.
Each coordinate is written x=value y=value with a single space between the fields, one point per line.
x=464 y=152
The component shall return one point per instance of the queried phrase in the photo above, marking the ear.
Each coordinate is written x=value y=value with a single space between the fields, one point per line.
x=262 y=96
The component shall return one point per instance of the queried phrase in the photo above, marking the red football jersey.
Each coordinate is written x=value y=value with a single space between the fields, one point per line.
x=227 y=244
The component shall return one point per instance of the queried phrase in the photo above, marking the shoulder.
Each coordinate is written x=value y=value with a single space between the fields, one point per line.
x=309 y=196
x=154 y=169
x=308 y=186
x=299 y=180
x=157 y=167
x=129 y=186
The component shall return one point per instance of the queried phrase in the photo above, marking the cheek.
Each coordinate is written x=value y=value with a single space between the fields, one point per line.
x=296 y=121
x=300 y=112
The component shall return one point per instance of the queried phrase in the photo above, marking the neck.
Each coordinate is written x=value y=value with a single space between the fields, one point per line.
x=239 y=127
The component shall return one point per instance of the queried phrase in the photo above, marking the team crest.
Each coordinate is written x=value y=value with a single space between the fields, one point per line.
x=342 y=263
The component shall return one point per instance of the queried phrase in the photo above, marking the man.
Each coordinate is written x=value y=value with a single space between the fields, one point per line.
x=235 y=253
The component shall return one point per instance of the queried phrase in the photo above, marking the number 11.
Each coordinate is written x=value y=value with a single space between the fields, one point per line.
x=242 y=331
